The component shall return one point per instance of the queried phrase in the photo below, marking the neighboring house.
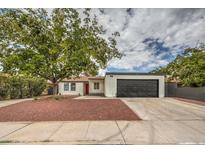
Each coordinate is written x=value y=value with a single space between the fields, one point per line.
x=115 y=85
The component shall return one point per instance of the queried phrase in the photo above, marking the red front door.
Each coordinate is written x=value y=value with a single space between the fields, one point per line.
x=86 y=88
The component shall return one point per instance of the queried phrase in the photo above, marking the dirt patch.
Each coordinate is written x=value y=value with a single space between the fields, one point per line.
x=67 y=109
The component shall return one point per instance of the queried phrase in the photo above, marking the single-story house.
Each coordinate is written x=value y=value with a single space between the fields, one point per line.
x=115 y=84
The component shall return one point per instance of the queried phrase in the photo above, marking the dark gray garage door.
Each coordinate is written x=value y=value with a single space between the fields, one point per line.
x=137 y=88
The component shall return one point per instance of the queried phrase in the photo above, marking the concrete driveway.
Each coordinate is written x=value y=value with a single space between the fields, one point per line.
x=165 y=121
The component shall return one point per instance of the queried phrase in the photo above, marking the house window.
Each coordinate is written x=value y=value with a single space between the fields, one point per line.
x=96 y=85
x=72 y=87
x=66 y=86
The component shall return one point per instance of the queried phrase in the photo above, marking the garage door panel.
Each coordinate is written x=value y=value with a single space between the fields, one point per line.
x=137 y=88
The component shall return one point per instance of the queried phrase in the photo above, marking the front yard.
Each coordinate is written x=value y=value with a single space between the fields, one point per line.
x=164 y=121
x=67 y=109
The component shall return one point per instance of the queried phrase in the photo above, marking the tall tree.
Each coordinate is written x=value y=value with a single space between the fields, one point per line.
x=54 y=45
x=188 y=68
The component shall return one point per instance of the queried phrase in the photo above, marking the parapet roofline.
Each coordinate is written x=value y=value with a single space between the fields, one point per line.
x=131 y=73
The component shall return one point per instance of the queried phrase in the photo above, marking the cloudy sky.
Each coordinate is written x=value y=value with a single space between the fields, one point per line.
x=151 y=37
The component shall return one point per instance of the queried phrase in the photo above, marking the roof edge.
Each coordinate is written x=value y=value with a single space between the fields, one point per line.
x=132 y=73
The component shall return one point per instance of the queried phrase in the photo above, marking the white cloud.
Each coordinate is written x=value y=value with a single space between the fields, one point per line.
x=131 y=59
x=177 y=28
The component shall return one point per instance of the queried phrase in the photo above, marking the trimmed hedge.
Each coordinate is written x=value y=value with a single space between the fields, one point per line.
x=12 y=87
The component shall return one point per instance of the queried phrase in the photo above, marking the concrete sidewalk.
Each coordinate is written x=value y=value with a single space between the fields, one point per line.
x=13 y=101
x=103 y=132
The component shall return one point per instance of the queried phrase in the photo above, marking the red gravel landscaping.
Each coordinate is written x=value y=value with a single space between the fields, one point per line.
x=67 y=109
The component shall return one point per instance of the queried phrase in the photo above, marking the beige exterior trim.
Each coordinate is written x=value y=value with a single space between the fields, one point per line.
x=96 y=91
x=79 y=89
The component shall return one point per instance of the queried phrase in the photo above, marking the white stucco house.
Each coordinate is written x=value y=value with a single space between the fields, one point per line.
x=115 y=84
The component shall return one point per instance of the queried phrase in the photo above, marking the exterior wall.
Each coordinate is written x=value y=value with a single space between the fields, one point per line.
x=96 y=91
x=172 y=90
x=111 y=83
x=79 y=89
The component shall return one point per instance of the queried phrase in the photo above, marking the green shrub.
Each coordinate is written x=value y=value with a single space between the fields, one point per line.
x=4 y=92
x=16 y=87
x=36 y=86
x=4 y=87
x=21 y=86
